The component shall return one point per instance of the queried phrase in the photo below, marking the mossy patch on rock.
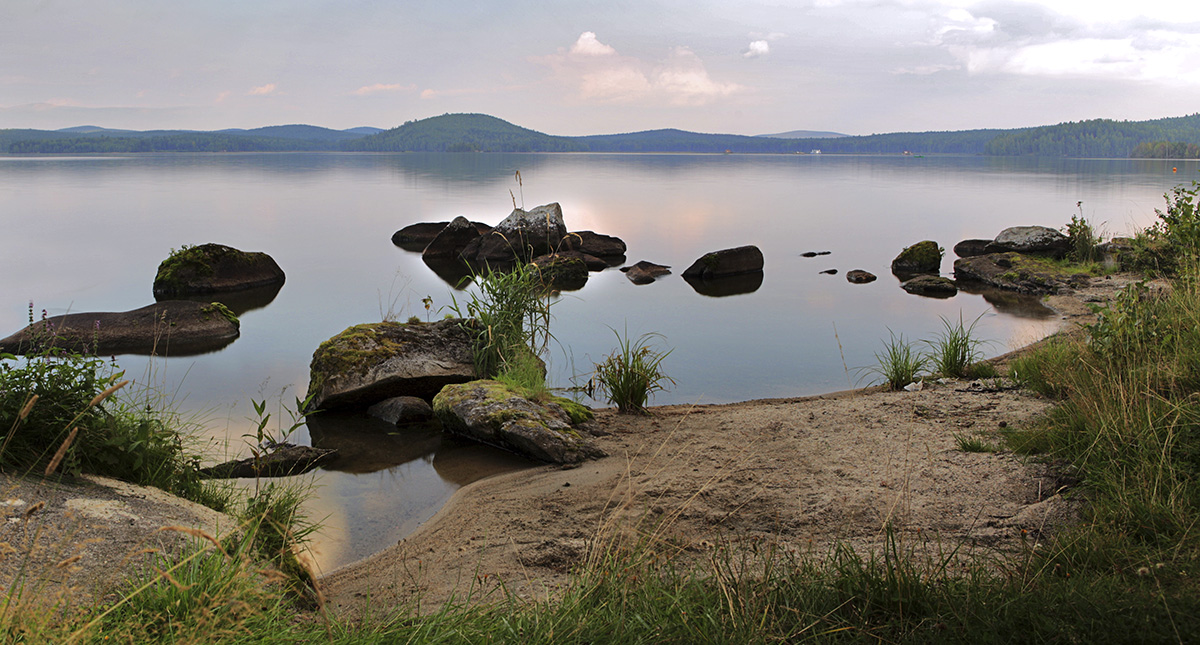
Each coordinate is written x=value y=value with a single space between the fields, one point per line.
x=1021 y=273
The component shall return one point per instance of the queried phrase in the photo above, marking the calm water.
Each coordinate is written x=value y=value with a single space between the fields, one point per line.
x=87 y=234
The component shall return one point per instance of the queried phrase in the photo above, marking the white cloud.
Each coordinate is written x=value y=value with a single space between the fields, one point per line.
x=263 y=90
x=588 y=45
x=757 y=48
x=367 y=90
x=598 y=74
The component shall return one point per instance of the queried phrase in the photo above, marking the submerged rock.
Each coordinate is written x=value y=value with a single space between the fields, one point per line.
x=282 y=460
x=561 y=271
x=211 y=268
x=922 y=257
x=858 y=276
x=489 y=412
x=402 y=410
x=645 y=272
x=368 y=363
x=168 y=328
x=595 y=244
x=726 y=262
x=933 y=286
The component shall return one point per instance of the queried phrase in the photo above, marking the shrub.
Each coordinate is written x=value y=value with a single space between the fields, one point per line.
x=1083 y=238
x=632 y=373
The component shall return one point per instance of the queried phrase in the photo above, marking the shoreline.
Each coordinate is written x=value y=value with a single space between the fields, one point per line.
x=803 y=473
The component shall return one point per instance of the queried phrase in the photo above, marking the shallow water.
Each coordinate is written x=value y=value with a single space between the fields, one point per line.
x=92 y=231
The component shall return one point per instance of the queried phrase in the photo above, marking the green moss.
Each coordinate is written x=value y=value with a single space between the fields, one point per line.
x=190 y=263
x=219 y=309
x=578 y=412
x=926 y=253
x=352 y=351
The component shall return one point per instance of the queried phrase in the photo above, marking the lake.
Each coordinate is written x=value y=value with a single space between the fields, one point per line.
x=87 y=234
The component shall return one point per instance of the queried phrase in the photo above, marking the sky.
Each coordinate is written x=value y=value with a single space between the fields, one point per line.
x=573 y=67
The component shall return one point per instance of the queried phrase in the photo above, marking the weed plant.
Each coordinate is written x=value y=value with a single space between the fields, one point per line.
x=512 y=309
x=1173 y=241
x=1083 y=238
x=899 y=364
x=955 y=349
x=632 y=373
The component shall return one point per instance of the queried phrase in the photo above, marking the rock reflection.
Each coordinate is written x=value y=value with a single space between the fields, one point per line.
x=1009 y=302
x=730 y=286
x=239 y=302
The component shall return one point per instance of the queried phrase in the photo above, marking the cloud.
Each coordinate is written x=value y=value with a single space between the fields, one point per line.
x=598 y=74
x=263 y=90
x=367 y=90
x=588 y=45
x=757 y=48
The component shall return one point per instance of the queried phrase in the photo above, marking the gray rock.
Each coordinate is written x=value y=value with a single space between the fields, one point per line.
x=1031 y=240
x=452 y=240
x=922 y=257
x=213 y=268
x=645 y=272
x=971 y=248
x=858 y=276
x=523 y=235
x=595 y=244
x=168 y=328
x=402 y=410
x=488 y=412
x=282 y=460
x=726 y=262
x=368 y=363
x=934 y=286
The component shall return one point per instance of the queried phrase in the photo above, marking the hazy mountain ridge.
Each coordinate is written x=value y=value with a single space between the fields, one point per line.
x=484 y=133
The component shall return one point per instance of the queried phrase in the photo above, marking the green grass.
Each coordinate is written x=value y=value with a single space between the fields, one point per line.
x=955 y=349
x=899 y=364
x=513 y=311
x=632 y=373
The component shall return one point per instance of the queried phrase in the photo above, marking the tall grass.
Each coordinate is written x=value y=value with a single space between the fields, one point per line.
x=512 y=309
x=632 y=373
x=956 y=348
x=899 y=364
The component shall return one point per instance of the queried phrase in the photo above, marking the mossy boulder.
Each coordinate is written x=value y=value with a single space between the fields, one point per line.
x=922 y=257
x=491 y=413
x=1020 y=273
x=212 y=268
x=561 y=271
x=168 y=328
x=368 y=363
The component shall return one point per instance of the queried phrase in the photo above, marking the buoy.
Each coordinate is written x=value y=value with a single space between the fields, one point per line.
x=1174 y=170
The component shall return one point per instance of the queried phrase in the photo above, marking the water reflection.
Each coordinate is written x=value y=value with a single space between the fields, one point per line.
x=1008 y=302
x=239 y=302
x=730 y=286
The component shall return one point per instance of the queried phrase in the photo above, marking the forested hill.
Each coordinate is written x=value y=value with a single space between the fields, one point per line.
x=463 y=133
x=483 y=133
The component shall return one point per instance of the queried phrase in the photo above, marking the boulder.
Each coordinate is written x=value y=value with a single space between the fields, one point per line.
x=1017 y=272
x=561 y=271
x=858 y=276
x=168 y=328
x=281 y=460
x=402 y=410
x=922 y=257
x=726 y=262
x=415 y=237
x=645 y=272
x=488 y=412
x=212 y=268
x=451 y=242
x=934 y=286
x=523 y=235
x=368 y=363
x=595 y=244
x=1031 y=240
x=971 y=248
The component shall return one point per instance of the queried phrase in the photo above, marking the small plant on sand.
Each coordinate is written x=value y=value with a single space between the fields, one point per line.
x=632 y=373
x=955 y=349
x=900 y=363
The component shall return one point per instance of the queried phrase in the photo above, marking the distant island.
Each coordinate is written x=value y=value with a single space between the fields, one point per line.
x=1175 y=137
